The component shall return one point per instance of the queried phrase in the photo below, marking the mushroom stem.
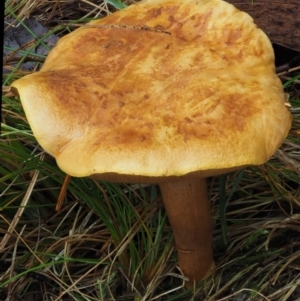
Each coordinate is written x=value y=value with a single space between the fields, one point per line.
x=189 y=214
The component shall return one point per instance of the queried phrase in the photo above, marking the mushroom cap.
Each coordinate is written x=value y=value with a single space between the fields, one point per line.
x=163 y=88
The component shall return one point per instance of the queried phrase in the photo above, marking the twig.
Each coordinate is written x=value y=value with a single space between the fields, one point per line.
x=20 y=209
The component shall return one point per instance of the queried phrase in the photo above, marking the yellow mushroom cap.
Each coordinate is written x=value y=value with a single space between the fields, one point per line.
x=163 y=88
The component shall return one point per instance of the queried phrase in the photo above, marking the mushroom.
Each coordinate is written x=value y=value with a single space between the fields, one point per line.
x=164 y=91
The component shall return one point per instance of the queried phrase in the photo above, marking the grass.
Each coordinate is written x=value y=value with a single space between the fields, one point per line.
x=113 y=242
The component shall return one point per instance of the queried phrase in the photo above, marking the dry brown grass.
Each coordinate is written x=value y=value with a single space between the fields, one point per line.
x=91 y=251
